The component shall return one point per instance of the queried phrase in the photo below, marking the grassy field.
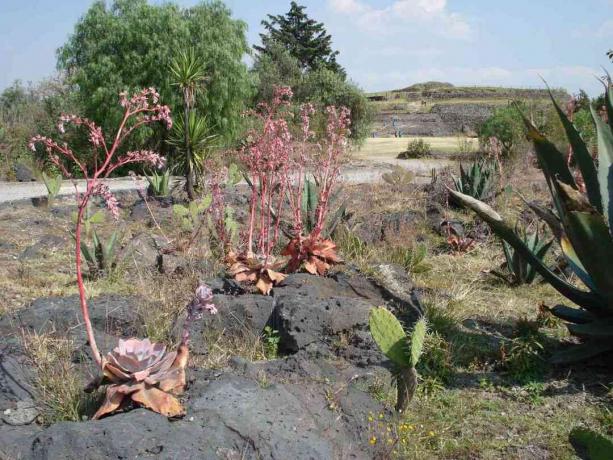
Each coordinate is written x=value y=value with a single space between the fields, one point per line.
x=385 y=148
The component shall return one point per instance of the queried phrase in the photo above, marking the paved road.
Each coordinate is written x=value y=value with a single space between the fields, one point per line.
x=360 y=172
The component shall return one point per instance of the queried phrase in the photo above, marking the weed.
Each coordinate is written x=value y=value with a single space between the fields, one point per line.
x=411 y=257
x=522 y=357
x=271 y=339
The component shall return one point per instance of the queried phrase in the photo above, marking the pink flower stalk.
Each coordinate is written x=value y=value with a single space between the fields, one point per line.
x=141 y=109
x=267 y=160
x=202 y=302
x=218 y=206
x=327 y=171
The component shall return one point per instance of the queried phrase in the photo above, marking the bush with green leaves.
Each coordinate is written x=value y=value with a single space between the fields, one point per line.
x=518 y=269
x=401 y=349
x=417 y=148
x=479 y=180
x=144 y=37
x=582 y=224
x=506 y=125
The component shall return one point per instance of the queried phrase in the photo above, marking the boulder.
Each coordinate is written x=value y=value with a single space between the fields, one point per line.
x=24 y=173
x=246 y=314
x=48 y=243
x=229 y=416
x=112 y=314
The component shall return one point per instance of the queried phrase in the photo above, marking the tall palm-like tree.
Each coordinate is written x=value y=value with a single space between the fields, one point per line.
x=188 y=73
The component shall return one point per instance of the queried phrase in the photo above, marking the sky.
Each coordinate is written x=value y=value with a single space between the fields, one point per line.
x=383 y=44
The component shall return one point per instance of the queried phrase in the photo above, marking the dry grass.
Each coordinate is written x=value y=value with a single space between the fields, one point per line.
x=223 y=346
x=58 y=385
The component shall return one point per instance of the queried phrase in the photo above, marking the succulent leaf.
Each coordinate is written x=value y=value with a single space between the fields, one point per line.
x=389 y=335
x=596 y=445
x=418 y=338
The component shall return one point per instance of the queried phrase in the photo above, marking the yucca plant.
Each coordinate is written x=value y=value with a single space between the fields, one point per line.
x=402 y=350
x=159 y=183
x=53 y=185
x=199 y=140
x=188 y=73
x=582 y=225
x=519 y=270
x=478 y=181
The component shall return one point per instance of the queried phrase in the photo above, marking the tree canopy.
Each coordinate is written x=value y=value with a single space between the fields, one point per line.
x=321 y=86
x=130 y=45
x=305 y=39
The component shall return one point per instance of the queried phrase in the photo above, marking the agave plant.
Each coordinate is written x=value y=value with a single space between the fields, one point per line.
x=519 y=270
x=53 y=185
x=310 y=197
x=478 y=181
x=101 y=257
x=582 y=224
x=159 y=183
x=403 y=351
x=399 y=178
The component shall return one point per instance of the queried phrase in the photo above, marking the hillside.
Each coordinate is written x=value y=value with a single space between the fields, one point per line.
x=442 y=109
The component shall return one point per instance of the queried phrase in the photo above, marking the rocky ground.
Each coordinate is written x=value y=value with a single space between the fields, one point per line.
x=310 y=403
x=295 y=374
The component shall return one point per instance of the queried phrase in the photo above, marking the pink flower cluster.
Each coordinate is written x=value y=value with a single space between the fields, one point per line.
x=147 y=101
x=112 y=204
x=144 y=156
x=95 y=136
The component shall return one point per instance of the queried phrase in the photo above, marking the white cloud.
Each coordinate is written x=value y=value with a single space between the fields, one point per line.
x=432 y=13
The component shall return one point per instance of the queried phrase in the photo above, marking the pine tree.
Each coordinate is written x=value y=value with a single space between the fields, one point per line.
x=304 y=38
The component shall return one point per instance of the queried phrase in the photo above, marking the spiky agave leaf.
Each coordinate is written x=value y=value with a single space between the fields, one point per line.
x=505 y=231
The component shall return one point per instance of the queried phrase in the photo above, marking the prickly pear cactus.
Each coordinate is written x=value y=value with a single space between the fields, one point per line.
x=406 y=384
x=418 y=336
x=387 y=331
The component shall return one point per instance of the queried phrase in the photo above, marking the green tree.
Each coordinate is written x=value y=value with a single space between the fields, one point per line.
x=304 y=38
x=130 y=44
x=275 y=68
x=29 y=110
x=506 y=125
x=325 y=87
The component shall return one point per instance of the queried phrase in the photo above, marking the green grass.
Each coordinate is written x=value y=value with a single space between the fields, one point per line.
x=381 y=148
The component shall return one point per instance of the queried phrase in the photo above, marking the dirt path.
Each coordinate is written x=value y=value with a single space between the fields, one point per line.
x=360 y=171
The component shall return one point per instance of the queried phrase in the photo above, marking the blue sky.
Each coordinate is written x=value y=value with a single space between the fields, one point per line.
x=384 y=44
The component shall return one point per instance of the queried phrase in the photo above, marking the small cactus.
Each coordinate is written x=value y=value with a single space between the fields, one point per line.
x=403 y=351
